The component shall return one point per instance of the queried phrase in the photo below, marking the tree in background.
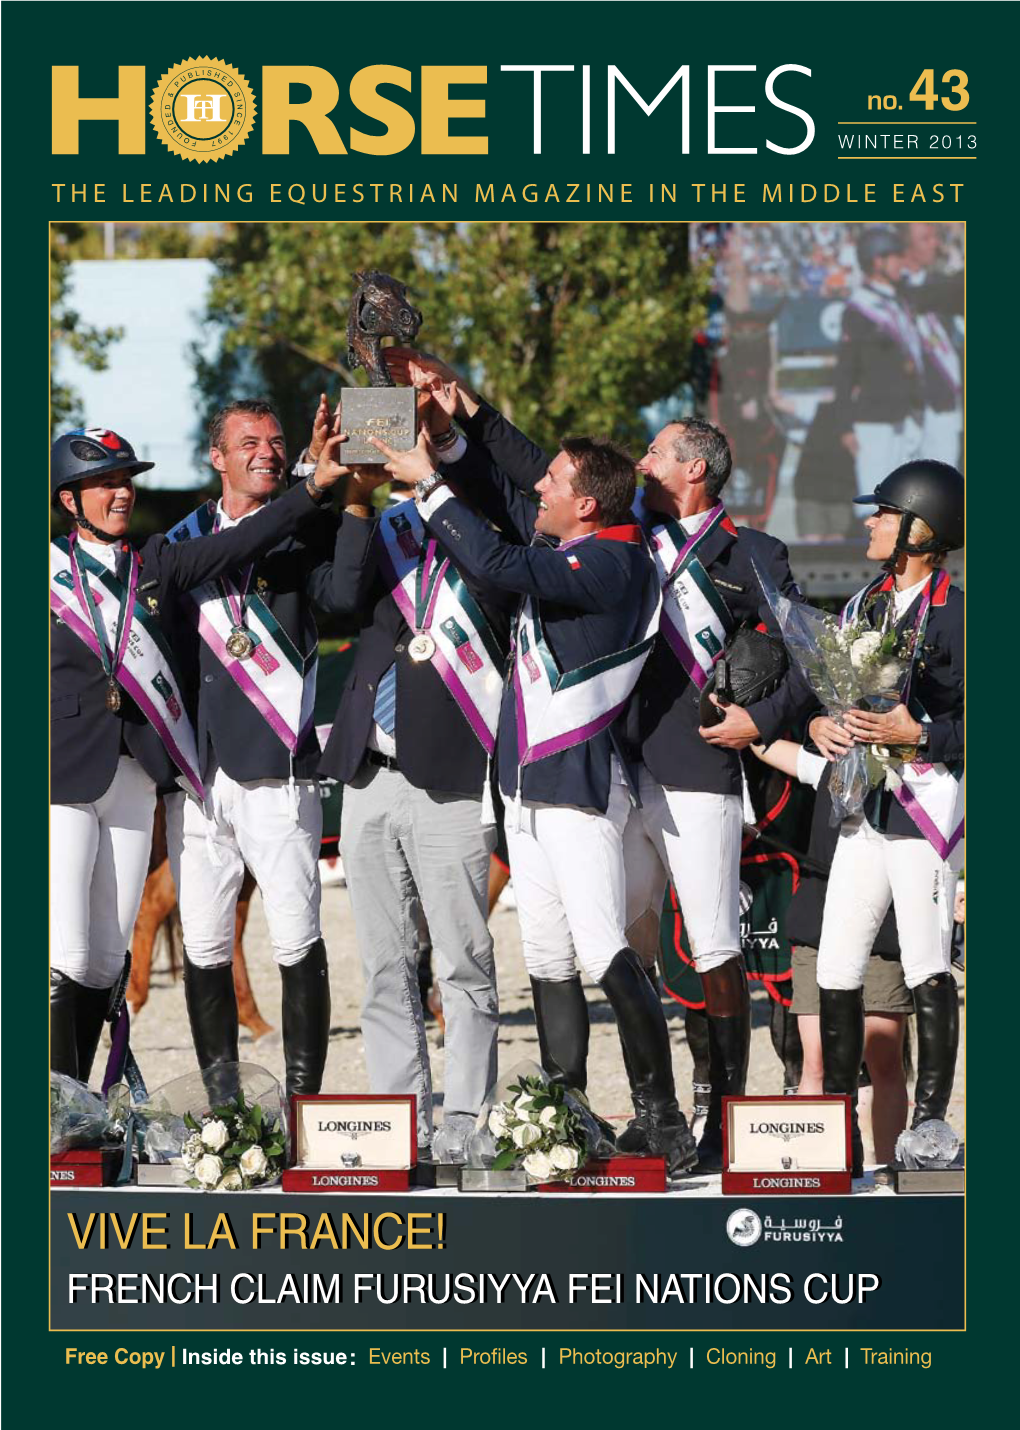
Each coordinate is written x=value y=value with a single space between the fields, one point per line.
x=89 y=344
x=569 y=327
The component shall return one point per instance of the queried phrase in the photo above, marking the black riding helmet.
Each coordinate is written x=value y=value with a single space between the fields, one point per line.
x=90 y=452
x=932 y=490
x=878 y=241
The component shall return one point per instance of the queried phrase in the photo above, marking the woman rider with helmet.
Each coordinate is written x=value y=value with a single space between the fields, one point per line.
x=119 y=729
x=906 y=848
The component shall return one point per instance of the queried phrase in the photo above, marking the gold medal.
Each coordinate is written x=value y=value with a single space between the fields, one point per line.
x=423 y=647
x=240 y=644
x=113 y=697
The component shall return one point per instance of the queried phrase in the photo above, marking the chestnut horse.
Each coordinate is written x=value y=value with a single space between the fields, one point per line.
x=159 y=910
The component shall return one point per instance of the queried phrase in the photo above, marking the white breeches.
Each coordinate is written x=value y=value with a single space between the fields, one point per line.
x=694 y=839
x=99 y=858
x=870 y=871
x=272 y=828
x=567 y=868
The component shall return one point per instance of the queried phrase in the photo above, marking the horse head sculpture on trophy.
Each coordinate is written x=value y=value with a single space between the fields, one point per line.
x=379 y=309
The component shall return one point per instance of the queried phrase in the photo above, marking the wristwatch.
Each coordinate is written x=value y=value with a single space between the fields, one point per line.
x=318 y=494
x=427 y=485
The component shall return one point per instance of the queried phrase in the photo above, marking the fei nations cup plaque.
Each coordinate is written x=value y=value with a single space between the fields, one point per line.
x=379 y=309
x=351 y=1142
x=782 y=1145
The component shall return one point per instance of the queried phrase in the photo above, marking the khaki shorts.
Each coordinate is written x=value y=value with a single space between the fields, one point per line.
x=884 y=988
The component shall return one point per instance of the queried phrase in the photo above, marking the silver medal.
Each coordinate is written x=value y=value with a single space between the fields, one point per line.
x=423 y=647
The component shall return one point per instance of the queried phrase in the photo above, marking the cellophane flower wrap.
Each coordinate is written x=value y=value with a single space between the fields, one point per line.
x=847 y=665
x=79 y=1117
x=546 y=1129
x=227 y=1127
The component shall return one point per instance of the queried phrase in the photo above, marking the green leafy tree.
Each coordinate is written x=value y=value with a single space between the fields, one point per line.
x=67 y=329
x=568 y=327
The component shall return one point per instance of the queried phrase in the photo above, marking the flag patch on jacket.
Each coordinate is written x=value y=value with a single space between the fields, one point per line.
x=573 y=562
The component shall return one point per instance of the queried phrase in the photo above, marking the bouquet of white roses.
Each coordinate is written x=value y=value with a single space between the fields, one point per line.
x=233 y=1148
x=847 y=665
x=540 y=1127
x=226 y=1126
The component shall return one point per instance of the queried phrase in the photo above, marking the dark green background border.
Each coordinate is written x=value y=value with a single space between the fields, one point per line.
x=853 y=50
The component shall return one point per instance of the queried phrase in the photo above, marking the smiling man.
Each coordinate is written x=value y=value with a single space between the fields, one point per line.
x=247 y=644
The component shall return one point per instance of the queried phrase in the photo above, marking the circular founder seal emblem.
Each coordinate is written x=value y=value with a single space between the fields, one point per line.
x=202 y=109
x=743 y=1227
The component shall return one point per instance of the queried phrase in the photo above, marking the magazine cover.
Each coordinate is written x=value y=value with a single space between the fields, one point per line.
x=505 y=890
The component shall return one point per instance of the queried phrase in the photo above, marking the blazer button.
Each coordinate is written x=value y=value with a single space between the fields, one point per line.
x=399 y=649
x=208 y=680
x=370 y=685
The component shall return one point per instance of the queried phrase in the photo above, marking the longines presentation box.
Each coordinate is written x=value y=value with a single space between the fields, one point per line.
x=351 y=1142
x=782 y=1145
x=85 y=1167
x=619 y=1174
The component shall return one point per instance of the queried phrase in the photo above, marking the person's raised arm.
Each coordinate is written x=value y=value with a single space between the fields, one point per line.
x=523 y=461
x=204 y=558
x=585 y=576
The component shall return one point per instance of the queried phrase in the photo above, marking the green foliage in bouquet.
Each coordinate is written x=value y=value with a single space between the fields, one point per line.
x=538 y=1127
x=234 y=1147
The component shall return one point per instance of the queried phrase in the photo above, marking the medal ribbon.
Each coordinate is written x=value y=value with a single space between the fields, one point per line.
x=235 y=603
x=112 y=661
x=427 y=580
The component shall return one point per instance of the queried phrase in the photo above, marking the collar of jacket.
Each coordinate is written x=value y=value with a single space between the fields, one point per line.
x=629 y=532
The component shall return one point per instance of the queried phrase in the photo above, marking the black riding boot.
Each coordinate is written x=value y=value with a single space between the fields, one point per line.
x=93 y=1010
x=561 y=1019
x=937 y=1006
x=212 y=1012
x=729 y=1043
x=77 y=1015
x=306 y=1008
x=659 y=1128
x=842 y=1028
x=64 y=993
x=786 y=1042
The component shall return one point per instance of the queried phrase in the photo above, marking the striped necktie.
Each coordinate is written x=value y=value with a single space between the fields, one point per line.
x=384 y=711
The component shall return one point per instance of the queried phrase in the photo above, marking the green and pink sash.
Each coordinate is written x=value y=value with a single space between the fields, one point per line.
x=695 y=622
x=276 y=677
x=558 y=709
x=434 y=601
x=133 y=647
x=931 y=794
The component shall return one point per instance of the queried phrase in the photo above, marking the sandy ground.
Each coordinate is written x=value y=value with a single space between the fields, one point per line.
x=162 y=1042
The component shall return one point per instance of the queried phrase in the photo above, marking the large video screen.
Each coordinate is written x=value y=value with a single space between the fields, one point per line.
x=832 y=353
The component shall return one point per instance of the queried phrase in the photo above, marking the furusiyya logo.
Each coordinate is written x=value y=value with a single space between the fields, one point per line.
x=744 y=1227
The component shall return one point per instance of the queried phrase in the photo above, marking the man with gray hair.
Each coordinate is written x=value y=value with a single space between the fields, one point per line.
x=688 y=823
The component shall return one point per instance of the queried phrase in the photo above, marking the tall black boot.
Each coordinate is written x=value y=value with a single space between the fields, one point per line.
x=93 y=1009
x=64 y=993
x=306 y=1008
x=212 y=1012
x=561 y=1019
x=787 y=1045
x=729 y=1042
x=659 y=1128
x=937 y=1006
x=842 y=1028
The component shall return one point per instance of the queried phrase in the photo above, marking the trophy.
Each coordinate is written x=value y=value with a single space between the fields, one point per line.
x=379 y=309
